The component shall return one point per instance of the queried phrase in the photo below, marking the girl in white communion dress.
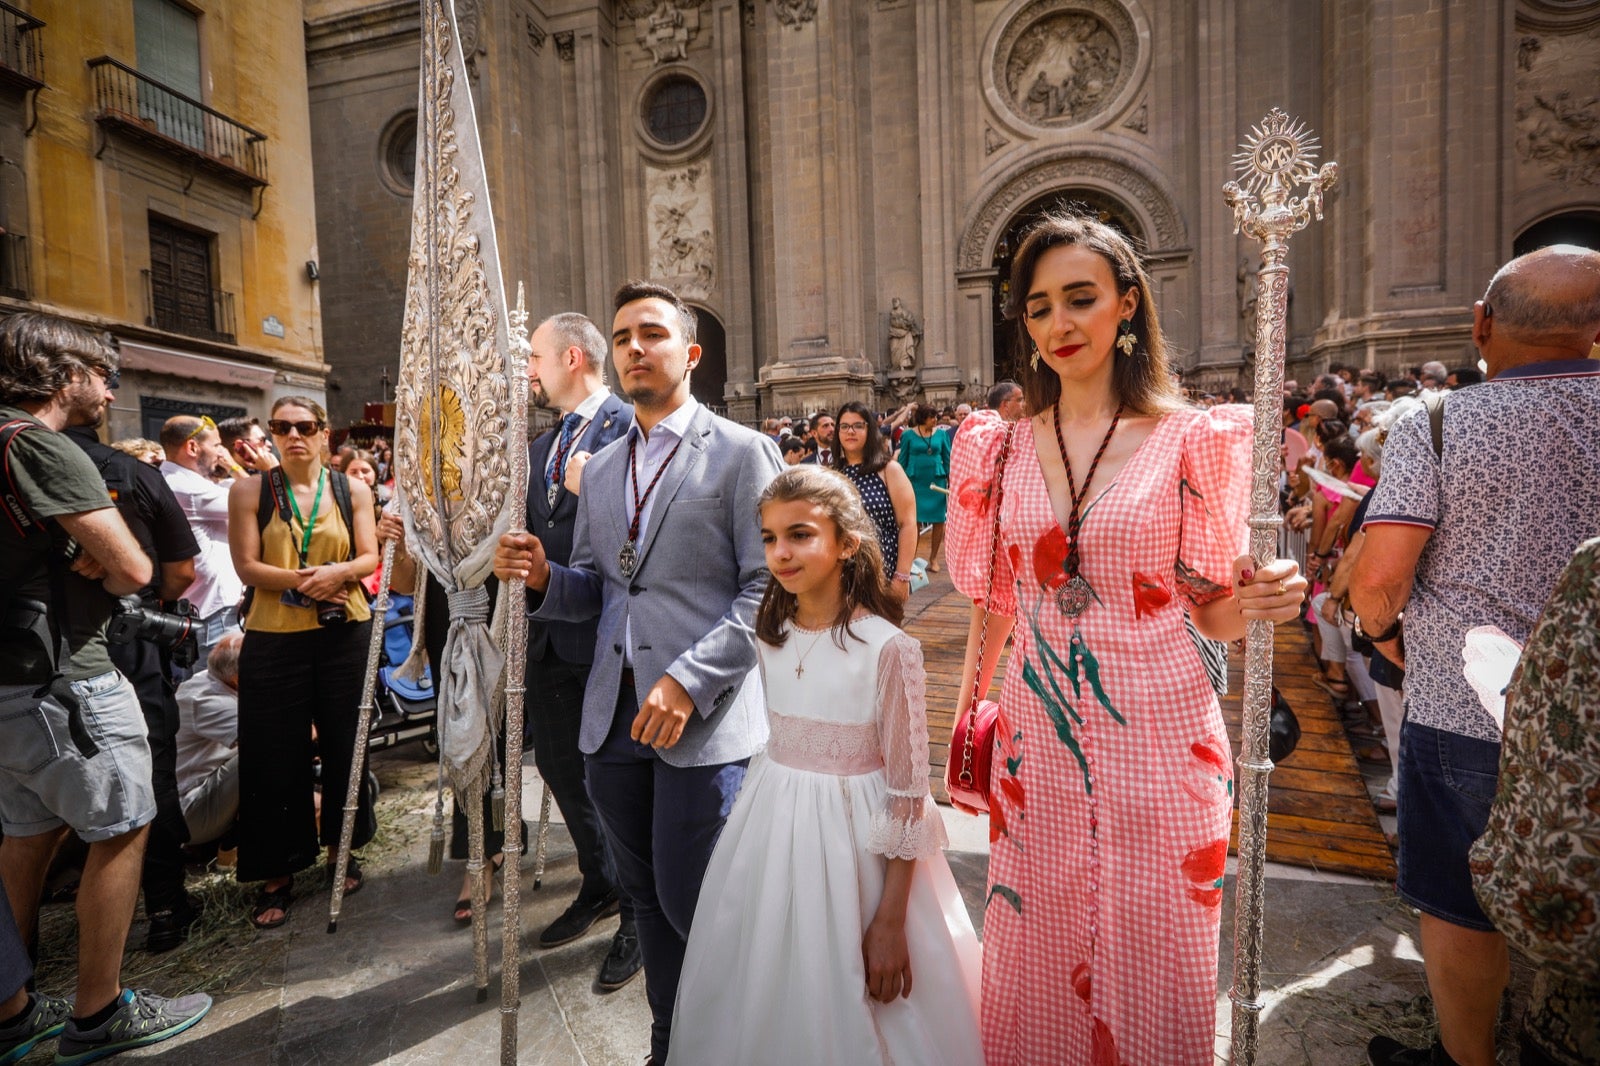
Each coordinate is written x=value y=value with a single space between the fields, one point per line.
x=829 y=928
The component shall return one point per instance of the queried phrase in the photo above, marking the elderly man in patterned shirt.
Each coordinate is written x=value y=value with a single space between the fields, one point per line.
x=1472 y=530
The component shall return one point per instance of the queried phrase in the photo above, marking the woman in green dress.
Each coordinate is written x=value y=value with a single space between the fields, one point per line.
x=925 y=455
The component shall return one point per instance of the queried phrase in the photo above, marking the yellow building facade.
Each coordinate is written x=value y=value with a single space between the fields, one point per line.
x=155 y=182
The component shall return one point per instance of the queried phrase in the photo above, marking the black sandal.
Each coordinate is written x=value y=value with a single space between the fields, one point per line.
x=354 y=880
x=463 y=911
x=275 y=899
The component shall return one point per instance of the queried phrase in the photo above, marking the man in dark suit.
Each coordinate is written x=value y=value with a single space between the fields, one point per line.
x=667 y=554
x=567 y=367
x=822 y=433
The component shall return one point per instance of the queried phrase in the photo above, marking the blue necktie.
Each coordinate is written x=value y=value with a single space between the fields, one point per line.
x=557 y=467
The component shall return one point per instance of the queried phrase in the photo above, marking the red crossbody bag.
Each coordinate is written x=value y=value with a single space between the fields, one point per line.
x=966 y=775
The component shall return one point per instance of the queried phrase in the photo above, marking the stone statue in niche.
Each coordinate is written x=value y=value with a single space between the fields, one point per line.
x=682 y=238
x=905 y=335
x=1249 y=297
x=665 y=32
x=1064 y=68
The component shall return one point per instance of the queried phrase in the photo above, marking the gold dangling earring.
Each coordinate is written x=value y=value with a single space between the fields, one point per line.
x=1033 y=360
x=1126 y=341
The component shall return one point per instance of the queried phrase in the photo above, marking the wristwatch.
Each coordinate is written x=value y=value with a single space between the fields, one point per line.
x=1384 y=637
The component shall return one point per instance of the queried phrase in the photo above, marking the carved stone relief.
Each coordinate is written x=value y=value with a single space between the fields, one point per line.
x=992 y=140
x=1139 y=121
x=1132 y=186
x=1062 y=62
x=749 y=8
x=1558 y=106
x=665 y=28
x=469 y=29
x=683 y=247
x=536 y=35
x=565 y=43
x=795 y=13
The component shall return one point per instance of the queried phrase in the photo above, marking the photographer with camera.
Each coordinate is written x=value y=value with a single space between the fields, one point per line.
x=70 y=720
x=149 y=633
x=303 y=537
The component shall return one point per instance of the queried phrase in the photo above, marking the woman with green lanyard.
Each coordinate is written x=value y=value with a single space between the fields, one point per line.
x=304 y=654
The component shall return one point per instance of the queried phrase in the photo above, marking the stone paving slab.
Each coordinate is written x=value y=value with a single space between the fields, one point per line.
x=394 y=984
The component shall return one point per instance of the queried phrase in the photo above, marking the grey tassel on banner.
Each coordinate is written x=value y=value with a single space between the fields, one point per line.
x=436 y=841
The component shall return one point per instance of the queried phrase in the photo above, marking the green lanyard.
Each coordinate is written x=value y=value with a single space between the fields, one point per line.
x=316 y=504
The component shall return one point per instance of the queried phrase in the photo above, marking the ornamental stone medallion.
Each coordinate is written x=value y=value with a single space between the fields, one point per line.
x=1061 y=63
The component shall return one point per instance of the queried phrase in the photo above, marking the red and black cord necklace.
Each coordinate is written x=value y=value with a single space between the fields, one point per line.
x=1073 y=597
x=628 y=557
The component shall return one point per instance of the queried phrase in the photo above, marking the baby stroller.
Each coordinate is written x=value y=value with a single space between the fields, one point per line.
x=403 y=710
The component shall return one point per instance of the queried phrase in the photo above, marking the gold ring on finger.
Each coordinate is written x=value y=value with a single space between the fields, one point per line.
x=1281 y=588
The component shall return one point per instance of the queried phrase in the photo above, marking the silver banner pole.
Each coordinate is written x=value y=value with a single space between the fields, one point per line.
x=1277 y=159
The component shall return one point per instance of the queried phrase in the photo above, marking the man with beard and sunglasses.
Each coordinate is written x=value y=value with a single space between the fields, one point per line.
x=69 y=716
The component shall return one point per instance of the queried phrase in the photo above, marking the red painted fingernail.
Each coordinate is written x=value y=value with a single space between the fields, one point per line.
x=1246 y=575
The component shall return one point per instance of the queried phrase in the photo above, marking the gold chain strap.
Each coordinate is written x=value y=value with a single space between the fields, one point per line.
x=965 y=776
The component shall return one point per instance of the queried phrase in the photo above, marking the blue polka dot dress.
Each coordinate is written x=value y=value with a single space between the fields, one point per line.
x=875 y=498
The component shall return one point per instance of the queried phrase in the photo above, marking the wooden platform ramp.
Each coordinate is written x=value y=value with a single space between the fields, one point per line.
x=1320 y=815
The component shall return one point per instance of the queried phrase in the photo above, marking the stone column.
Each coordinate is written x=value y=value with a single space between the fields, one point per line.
x=729 y=150
x=945 y=367
x=813 y=169
x=586 y=51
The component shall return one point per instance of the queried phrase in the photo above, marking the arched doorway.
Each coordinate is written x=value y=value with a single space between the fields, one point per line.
x=1007 y=356
x=1571 y=227
x=710 y=375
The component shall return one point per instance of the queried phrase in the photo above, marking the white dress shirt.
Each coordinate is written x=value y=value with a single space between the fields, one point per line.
x=664 y=437
x=208 y=729
x=216 y=586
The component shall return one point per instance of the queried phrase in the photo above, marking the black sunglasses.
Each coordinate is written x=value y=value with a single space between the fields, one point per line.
x=281 y=427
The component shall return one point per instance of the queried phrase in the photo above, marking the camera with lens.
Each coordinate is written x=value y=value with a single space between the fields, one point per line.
x=329 y=612
x=134 y=619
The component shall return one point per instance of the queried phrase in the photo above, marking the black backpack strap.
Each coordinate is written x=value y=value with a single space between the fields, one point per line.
x=347 y=511
x=1434 y=402
x=264 y=506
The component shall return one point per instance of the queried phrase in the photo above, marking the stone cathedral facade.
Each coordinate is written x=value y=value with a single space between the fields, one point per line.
x=838 y=185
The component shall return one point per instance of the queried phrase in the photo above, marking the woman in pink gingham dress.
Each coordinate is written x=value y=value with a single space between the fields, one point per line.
x=1112 y=782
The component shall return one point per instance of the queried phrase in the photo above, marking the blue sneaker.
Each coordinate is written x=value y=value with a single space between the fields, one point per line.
x=141 y=1018
x=47 y=1018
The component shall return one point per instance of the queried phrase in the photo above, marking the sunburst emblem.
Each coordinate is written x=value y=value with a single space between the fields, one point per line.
x=1280 y=149
x=452 y=434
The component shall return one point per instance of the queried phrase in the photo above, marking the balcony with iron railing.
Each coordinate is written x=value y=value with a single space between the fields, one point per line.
x=203 y=313
x=148 y=111
x=21 y=48
x=14 y=266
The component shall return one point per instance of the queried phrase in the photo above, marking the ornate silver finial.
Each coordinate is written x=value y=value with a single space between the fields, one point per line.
x=518 y=324
x=1278 y=156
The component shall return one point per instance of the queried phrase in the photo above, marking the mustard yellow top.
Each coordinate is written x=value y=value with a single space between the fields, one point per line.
x=330 y=543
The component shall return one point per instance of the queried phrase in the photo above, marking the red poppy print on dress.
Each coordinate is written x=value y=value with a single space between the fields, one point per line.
x=1208 y=776
x=1149 y=595
x=1203 y=869
x=1050 y=559
x=974 y=495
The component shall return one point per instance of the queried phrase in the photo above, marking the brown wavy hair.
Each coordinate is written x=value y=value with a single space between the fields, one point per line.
x=1142 y=380
x=864 y=582
x=42 y=354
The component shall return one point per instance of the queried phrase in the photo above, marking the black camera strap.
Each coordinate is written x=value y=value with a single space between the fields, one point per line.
x=48 y=626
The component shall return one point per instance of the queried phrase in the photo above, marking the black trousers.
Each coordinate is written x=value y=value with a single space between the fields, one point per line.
x=289 y=682
x=142 y=663
x=553 y=716
x=662 y=822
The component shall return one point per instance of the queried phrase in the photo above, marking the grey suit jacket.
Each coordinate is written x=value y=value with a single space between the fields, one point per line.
x=693 y=596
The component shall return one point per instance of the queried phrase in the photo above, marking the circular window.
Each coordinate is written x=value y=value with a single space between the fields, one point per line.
x=675 y=110
x=398 y=153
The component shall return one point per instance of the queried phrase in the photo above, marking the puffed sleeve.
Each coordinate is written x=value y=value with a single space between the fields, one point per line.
x=908 y=826
x=969 y=529
x=1214 y=494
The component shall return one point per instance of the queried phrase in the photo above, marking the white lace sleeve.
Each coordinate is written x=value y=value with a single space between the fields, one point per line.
x=909 y=825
